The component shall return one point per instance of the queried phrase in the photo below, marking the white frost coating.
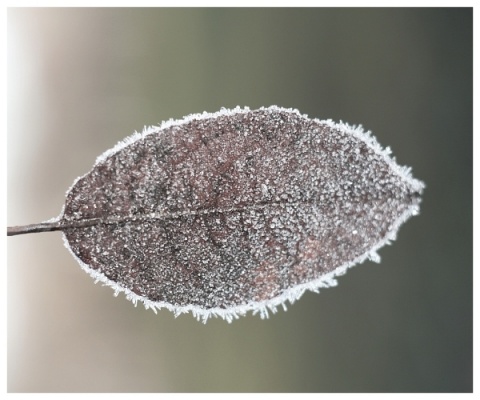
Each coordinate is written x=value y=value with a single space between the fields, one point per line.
x=292 y=294
x=167 y=124
x=262 y=308
x=153 y=129
x=371 y=141
x=357 y=131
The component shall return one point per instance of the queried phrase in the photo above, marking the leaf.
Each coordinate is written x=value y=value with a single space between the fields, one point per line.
x=236 y=211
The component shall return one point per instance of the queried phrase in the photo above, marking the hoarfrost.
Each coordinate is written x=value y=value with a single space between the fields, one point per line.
x=221 y=214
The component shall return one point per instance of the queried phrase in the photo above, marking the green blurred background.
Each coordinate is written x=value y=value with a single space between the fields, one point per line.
x=82 y=79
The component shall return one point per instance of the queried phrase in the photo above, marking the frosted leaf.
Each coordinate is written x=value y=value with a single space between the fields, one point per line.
x=220 y=214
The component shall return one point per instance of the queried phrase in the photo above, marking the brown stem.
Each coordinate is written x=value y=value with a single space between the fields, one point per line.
x=50 y=226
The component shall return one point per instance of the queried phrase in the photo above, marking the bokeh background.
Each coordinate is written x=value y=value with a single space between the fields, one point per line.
x=80 y=80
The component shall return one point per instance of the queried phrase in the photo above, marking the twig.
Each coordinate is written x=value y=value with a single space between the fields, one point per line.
x=51 y=226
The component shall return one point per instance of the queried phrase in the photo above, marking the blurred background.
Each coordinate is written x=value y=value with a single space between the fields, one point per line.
x=80 y=80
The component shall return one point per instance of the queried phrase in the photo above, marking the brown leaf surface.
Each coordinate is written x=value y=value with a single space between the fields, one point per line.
x=240 y=210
